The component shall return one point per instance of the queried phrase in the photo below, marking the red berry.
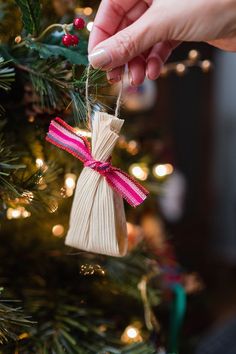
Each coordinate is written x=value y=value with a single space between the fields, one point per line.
x=74 y=39
x=79 y=23
x=67 y=40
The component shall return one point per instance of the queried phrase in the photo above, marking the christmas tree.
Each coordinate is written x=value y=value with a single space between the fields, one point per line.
x=73 y=302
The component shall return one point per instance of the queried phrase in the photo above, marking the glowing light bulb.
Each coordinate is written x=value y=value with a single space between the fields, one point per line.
x=162 y=170
x=132 y=332
x=17 y=213
x=193 y=54
x=90 y=26
x=180 y=68
x=206 y=65
x=140 y=171
x=88 y=11
x=39 y=162
x=131 y=335
x=70 y=181
x=58 y=230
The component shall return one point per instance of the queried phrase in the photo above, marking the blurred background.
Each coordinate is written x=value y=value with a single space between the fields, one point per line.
x=175 y=290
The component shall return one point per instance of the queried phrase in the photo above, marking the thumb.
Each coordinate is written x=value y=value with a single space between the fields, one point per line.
x=127 y=44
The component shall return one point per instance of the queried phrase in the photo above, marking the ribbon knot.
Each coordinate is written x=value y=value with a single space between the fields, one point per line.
x=100 y=166
x=64 y=136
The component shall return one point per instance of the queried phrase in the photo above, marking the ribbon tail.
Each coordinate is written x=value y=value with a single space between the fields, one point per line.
x=63 y=136
x=132 y=191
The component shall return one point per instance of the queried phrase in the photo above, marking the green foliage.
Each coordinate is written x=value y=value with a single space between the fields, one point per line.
x=75 y=55
x=7 y=167
x=7 y=74
x=50 y=80
x=30 y=10
x=12 y=321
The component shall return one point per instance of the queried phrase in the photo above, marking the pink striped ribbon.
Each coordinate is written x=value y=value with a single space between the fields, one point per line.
x=64 y=136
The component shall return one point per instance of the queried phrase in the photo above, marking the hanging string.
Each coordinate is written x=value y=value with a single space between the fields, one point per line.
x=88 y=104
x=118 y=101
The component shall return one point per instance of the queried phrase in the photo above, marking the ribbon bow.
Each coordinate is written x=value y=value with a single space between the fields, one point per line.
x=64 y=136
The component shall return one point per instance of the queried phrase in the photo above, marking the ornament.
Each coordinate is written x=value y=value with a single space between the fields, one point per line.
x=97 y=221
x=70 y=40
x=79 y=23
x=75 y=40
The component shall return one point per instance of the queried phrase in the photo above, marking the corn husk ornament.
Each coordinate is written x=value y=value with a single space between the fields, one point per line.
x=97 y=220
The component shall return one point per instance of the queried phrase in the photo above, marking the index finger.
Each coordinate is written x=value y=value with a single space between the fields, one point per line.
x=108 y=19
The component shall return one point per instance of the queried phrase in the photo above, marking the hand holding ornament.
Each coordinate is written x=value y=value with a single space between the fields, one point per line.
x=143 y=33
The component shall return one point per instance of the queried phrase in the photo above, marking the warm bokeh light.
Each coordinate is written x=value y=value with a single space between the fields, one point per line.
x=70 y=179
x=17 y=213
x=39 y=162
x=140 y=171
x=193 y=54
x=31 y=119
x=162 y=170
x=132 y=147
x=206 y=65
x=88 y=11
x=131 y=335
x=132 y=332
x=70 y=182
x=180 y=68
x=58 y=230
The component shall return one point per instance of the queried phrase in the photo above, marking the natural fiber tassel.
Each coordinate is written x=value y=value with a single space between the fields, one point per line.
x=97 y=220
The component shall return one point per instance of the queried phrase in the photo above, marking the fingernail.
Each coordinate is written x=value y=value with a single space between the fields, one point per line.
x=99 y=58
x=113 y=78
x=131 y=81
x=153 y=70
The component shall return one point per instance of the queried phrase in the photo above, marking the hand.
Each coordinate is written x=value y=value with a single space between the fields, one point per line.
x=143 y=33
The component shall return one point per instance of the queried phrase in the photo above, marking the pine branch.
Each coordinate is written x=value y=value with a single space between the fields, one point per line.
x=30 y=10
x=7 y=75
x=12 y=321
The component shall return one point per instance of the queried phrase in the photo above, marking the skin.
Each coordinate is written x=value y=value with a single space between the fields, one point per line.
x=143 y=33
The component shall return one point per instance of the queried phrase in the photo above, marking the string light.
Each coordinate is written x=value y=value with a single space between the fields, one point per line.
x=70 y=182
x=58 y=230
x=18 y=39
x=53 y=207
x=132 y=147
x=102 y=328
x=28 y=196
x=160 y=171
x=131 y=334
x=92 y=269
x=31 y=119
x=206 y=65
x=88 y=11
x=90 y=26
x=23 y=335
x=17 y=213
x=39 y=162
x=180 y=68
x=140 y=171
x=193 y=54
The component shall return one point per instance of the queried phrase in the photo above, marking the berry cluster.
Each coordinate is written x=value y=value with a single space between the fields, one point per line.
x=70 y=39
